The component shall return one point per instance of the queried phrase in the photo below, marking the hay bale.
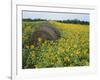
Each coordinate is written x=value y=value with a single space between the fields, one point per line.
x=44 y=32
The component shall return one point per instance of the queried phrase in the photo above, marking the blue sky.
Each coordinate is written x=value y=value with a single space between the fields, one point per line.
x=55 y=16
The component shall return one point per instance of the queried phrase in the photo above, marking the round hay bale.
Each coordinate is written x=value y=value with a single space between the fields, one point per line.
x=45 y=32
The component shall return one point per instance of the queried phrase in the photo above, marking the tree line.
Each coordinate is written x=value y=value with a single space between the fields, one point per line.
x=75 y=21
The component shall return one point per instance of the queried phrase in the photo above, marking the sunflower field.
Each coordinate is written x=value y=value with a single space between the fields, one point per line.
x=71 y=50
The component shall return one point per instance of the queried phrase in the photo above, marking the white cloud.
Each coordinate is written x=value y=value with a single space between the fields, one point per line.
x=55 y=16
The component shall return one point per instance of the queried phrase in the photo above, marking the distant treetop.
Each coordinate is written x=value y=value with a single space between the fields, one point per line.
x=75 y=21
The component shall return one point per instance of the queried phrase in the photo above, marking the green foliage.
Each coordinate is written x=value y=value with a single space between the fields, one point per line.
x=72 y=49
x=30 y=20
x=75 y=21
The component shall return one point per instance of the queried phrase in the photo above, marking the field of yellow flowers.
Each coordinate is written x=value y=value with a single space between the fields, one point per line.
x=71 y=50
